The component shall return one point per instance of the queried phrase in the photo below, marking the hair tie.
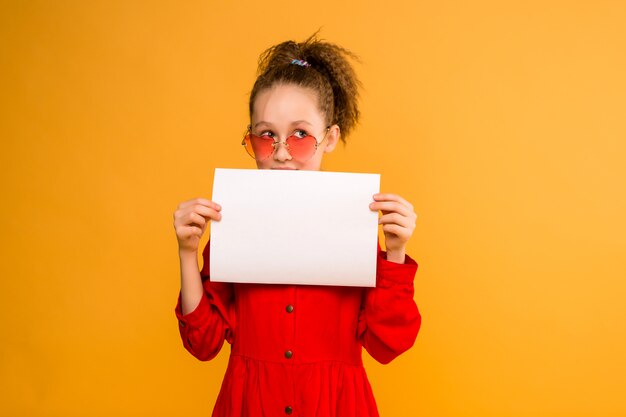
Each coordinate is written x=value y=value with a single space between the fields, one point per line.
x=301 y=63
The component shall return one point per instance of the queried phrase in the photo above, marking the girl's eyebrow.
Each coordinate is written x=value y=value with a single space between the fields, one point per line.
x=297 y=122
x=262 y=123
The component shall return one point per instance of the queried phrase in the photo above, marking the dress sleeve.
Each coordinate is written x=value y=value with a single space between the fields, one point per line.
x=389 y=319
x=204 y=329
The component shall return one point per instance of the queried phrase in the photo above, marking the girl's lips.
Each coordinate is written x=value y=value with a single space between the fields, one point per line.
x=286 y=168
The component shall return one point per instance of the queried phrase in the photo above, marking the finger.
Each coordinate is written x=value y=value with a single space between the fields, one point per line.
x=392 y=197
x=202 y=201
x=196 y=219
x=397 y=230
x=186 y=232
x=392 y=206
x=181 y=216
x=207 y=212
x=395 y=218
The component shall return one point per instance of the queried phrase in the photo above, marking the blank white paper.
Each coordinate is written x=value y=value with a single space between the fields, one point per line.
x=294 y=227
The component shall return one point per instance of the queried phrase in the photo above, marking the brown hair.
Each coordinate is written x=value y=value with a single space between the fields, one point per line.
x=329 y=74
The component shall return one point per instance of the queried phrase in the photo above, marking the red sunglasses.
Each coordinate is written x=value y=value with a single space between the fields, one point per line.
x=301 y=146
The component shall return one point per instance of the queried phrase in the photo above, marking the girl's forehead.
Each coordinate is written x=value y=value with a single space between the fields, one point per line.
x=286 y=104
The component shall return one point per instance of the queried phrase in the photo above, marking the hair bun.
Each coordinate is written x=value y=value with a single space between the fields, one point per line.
x=334 y=78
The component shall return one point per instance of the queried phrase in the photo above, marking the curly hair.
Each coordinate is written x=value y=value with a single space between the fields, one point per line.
x=330 y=74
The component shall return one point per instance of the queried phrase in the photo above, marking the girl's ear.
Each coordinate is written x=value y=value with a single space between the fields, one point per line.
x=332 y=138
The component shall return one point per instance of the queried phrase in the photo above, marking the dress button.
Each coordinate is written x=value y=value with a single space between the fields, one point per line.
x=288 y=410
x=289 y=308
x=182 y=323
x=288 y=354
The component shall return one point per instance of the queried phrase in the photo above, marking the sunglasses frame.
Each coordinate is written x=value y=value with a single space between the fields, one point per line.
x=284 y=143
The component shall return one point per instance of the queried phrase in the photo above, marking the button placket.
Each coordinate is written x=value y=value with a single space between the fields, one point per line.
x=290 y=320
x=289 y=308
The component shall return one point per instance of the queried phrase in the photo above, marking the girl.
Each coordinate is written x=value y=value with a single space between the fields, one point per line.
x=296 y=350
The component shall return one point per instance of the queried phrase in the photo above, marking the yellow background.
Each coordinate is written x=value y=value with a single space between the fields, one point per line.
x=503 y=123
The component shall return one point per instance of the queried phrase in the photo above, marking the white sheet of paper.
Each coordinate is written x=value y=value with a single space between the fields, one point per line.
x=294 y=227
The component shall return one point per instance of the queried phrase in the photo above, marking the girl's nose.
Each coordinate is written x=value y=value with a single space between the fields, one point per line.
x=281 y=153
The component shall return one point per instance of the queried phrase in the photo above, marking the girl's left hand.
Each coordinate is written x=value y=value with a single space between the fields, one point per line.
x=398 y=222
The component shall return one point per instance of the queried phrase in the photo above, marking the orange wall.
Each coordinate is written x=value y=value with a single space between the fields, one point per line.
x=503 y=122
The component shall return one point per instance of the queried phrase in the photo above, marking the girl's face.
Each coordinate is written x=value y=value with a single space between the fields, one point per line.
x=287 y=109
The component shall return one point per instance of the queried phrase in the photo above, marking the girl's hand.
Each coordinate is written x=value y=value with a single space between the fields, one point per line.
x=190 y=221
x=398 y=222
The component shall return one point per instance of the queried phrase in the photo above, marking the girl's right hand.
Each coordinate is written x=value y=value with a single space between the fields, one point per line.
x=190 y=221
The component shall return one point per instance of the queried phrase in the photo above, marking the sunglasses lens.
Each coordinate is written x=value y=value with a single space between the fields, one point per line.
x=301 y=149
x=260 y=148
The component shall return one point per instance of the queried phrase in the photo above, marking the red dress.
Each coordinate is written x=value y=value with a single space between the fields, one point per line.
x=296 y=349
